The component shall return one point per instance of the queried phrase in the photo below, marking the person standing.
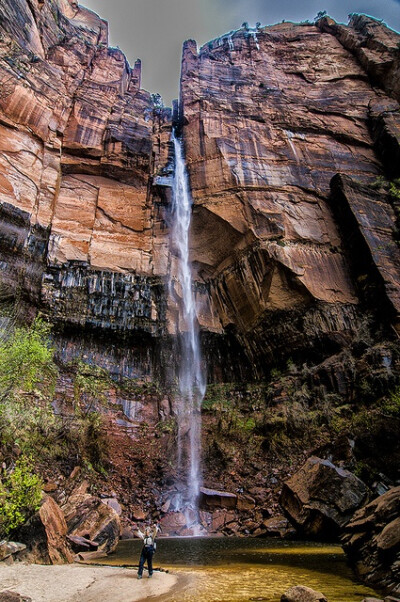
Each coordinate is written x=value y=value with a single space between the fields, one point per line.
x=149 y=547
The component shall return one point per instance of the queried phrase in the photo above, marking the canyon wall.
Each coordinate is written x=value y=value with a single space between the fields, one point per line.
x=268 y=118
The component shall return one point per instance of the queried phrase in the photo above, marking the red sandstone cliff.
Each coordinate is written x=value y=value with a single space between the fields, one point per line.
x=80 y=141
x=269 y=117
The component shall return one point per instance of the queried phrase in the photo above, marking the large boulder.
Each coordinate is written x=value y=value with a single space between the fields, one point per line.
x=372 y=542
x=321 y=498
x=301 y=593
x=210 y=499
x=89 y=517
x=10 y=549
x=45 y=535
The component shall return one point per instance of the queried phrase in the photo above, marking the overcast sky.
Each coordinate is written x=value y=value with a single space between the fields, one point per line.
x=154 y=30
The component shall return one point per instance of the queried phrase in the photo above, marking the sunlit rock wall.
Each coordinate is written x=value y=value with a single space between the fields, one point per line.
x=82 y=228
x=269 y=117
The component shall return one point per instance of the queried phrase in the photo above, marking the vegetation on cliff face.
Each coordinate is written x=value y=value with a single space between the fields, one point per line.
x=346 y=408
x=27 y=379
x=20 y=495
x=34 y=436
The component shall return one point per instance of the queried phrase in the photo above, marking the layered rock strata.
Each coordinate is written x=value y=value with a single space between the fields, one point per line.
x=81 y=225
x=269 y=117
x=372 y=541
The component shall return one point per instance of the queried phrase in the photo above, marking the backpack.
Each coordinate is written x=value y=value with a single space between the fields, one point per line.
x=149 y=543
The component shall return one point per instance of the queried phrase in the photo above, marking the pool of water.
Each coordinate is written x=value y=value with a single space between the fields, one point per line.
x=241 y=569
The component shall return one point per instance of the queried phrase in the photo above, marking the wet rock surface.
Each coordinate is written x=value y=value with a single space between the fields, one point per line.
x=267 y=120
x=321 y=498
x=84 y=221
x=78 y=137
x=372 y=541
x=302 y=593
x=260 y=179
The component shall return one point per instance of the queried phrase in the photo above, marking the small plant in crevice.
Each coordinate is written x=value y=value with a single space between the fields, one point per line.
x=392 y=189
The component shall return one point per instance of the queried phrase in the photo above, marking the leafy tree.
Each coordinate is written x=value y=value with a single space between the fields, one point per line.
x=26 y=360
x=20 y=495
x=27 y=380
x=157 y=101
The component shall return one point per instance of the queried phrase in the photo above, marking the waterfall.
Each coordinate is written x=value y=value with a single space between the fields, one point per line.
x=191 y=377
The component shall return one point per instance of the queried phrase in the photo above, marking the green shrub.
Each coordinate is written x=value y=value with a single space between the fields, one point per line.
x=27 y=382
x=90 y=385
x=391 y=406
x=26 y=361
x=20 y=495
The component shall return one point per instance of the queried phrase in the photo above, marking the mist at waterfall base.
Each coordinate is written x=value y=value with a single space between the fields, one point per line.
x=191 y=380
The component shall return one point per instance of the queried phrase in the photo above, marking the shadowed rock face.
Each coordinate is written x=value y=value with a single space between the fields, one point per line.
x=268 y=119
x=321 y=498
x=372 y=541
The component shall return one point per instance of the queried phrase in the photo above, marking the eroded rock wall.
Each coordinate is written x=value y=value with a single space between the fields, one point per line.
x=82 y=228
x=269 y=117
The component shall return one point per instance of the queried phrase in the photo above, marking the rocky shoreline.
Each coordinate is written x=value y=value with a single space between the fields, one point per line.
x=73 y=583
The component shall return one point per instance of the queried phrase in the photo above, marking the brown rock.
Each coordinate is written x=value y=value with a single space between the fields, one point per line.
x=138 y=514
x=10 y=548
x=374 y=45
x=78 y=136
x=50 y=487
x=373 y=224
x=320 y=498
x=114 y=504
x=301 y=593
x=255 y=169
x=218 y=521
x=7 y=596
x=372 y=542
x=278 y=526
x=385 y=128
x=45 y=535
x=88 y=517
x=82 y=543
x=210 y=499
x=55 y=526
x=85 y=159
x=173 y=523
x=245 y=503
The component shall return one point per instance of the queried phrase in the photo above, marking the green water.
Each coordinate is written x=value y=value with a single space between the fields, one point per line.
x=241 y=569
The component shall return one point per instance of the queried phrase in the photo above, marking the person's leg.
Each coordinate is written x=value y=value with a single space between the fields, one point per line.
x=150 y=562
x=141 y=564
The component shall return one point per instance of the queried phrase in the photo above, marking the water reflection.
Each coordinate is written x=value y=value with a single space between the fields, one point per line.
x=242 y=569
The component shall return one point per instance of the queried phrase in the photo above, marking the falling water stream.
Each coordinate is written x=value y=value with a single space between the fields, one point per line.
x=191 y=377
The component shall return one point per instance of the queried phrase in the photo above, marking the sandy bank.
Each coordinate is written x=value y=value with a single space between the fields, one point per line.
x=75 y=583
